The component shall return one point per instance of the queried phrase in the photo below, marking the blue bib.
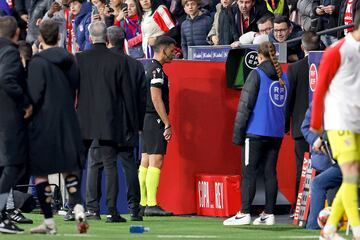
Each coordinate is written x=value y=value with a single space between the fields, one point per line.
x=268 y=115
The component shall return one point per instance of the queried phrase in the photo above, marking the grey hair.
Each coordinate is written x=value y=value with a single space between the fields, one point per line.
x=116 y=36
x=97 y=31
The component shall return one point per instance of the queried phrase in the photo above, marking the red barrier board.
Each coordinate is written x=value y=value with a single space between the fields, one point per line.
x=304 y=195
x=217 y=195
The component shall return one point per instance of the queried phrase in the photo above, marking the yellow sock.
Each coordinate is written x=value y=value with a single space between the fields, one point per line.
x=349 y=195
x=142 y=181
x=152 y=182
x=337 y=210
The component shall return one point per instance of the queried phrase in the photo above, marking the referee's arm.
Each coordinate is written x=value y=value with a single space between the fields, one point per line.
x=156 y=98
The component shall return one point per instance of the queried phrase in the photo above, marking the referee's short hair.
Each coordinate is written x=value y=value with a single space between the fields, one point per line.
x=163 y=42
x=310 y=41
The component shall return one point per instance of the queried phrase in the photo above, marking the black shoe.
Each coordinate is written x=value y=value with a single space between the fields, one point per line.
x=17 y=217
x=135 y=216
x=91 y=215
x=156 y=211
x=141 y=210
x=115 y=219
x=70 y=216
x=6 y=226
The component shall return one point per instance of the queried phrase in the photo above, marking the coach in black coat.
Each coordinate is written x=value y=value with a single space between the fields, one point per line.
x=298 y=76
x=13 y=101
x=102 y=108
x=54 y=134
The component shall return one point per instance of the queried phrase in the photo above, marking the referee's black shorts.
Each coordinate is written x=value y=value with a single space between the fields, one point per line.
x=153 y=135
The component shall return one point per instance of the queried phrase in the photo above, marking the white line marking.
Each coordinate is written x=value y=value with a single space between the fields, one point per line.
x=186 y=236
x=299 y=237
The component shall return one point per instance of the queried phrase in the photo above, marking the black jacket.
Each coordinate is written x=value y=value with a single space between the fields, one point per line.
x=13 y=100
x=55 y=142
x=325 y=21
x=248 y=100
x=104 y=96
x=355 y=7
x=294 y=47
x=256 y=12
x=138 y=85
x=298 y=98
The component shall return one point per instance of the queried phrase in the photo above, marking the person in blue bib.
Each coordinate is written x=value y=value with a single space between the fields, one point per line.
x=259 y=128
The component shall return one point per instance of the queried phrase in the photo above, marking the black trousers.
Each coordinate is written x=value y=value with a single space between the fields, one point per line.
x=105 y=158
x=259 y=153
x=301 y=146
x=9 y=176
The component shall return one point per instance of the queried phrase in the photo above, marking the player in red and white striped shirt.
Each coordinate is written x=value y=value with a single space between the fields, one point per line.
x=336 y=104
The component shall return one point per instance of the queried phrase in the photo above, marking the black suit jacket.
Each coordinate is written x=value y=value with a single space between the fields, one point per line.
x=104 y=99
x=298 y=99
x=137 y=77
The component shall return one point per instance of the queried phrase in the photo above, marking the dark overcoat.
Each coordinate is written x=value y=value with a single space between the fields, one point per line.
x=103 y=96
x=13 y=100
x=55 y=143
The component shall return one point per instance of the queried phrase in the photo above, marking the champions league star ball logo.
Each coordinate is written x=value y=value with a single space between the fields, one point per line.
x=251 y=60
x=278 y=94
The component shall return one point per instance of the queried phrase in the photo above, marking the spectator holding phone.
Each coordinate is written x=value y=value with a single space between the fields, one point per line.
x=82 y=12
x=326 y=13
x=131 y=24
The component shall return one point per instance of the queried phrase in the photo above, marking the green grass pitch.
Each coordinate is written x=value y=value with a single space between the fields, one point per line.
x=179 y=227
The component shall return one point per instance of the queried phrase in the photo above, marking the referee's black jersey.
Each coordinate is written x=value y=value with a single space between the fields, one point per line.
x=155 y=77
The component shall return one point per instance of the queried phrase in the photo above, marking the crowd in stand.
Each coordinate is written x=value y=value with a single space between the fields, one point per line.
x=190 y=23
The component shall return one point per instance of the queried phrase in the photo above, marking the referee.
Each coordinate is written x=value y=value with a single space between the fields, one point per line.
x=157 y=129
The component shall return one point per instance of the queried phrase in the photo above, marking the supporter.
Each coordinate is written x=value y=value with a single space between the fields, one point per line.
x=222 y=31
x=263 y=97
x=14 y=107
x=265 y=26
x=5 y=8
x=57 y=14
x=21 y=9
x=82 y=12
x=298 y=100
x=277 y=7
x=36 y=13
x=285 y=30
x=305 y=13
x=336 y=107
x=195 y=28
x=52 y=82
x=246 y=14
x=131 y=24
x=156 y=20
x=326 y=15
x=157 y=130
x=347 y=12
x=329 y=176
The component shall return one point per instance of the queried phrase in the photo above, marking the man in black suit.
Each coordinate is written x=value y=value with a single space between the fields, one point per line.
x=298 y=101
x=136 y=73
x=14 y=107
x=104 y=103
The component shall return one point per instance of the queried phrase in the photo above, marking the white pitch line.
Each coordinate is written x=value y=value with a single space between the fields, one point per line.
x=185 y=236
x=299 y=237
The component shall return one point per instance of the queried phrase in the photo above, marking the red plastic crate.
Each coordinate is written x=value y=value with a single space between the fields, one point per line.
x=217 y=195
